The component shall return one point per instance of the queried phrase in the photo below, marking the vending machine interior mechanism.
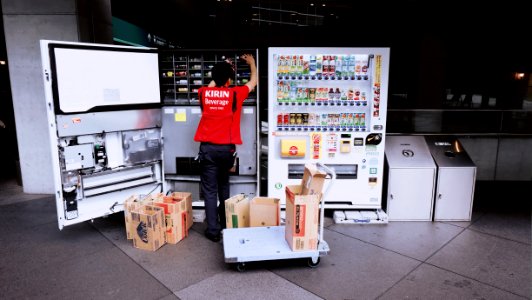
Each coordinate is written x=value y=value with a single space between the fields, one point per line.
x=107 y=124
x=328 y=105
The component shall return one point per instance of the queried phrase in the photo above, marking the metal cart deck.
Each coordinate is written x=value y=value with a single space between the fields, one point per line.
x=249 y=244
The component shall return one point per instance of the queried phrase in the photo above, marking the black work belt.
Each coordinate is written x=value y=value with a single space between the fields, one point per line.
x=219 y=146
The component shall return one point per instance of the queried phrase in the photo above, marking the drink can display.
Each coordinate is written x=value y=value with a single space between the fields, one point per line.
x=350 y=119
x=356 y=122
x=317 y=120
x=362 y=120
x=324 y=120
x=299 y=119
x=312 y=95
x=279 y=119
x=311 y=119
x=286 y=119
x=292 y=119
x=305 y=119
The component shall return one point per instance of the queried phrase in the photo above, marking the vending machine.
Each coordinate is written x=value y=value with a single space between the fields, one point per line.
x=328 y=105
x=112 y=136
x=182 y=73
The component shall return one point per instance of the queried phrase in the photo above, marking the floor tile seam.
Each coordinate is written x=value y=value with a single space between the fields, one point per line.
x=474 y=279
x=498 y=236
x=134 y=261
x=381 y=247
x=399 y=280
x=446 y=243
x=295 y=283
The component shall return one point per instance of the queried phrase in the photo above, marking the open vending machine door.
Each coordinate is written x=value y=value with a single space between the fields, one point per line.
x=104 y=118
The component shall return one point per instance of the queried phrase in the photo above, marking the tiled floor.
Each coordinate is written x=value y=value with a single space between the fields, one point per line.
x=487 y=258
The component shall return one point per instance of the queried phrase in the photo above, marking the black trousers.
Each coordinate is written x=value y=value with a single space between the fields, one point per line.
x=215 y=162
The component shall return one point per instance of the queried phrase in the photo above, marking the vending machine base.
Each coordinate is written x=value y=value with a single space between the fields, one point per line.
x=371 y=216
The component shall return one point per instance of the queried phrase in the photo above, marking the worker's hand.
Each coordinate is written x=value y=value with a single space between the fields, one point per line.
x=250 y=60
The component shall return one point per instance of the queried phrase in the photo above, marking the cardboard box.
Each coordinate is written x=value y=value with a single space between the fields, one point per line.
x=148 y=227
x=187 y=197
x=302 y=219
x=264 y=211
x=313 y=180
x=133 y=203
x=175 y=213
x=237 y=211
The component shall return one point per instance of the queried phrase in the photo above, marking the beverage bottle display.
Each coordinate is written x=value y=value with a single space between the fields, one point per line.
x=319 y=65
x=345 y=66
x=325 y=71
x=312 y=65
x=337 y=94
x=352 y=62
x=332 y=65
x=293 y=65
x=339 y=66
x=280 y=66
x=306 y=66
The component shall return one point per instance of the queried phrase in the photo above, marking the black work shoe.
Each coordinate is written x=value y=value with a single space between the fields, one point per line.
x=213 y=237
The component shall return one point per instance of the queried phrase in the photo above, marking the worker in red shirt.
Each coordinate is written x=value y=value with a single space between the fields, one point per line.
x=218 y=132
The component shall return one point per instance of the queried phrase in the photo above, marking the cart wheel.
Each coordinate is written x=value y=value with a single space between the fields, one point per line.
x=241 y=267
x=313 y=262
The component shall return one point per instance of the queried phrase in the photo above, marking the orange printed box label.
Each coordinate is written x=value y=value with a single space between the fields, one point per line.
x=299 y=223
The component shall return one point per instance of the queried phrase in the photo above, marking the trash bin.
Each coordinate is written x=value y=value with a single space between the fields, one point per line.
x=455 y=183
x=411 y=178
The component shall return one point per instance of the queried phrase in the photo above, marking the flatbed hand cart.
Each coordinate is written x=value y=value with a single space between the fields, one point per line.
x=249 y=244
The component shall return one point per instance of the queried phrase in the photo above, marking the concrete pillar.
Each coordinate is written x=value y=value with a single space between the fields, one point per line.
x=25 y=23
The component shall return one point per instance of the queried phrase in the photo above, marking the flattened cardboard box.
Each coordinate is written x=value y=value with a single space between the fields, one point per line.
x=148 y=227
x=188 y=202
x=264 y=211
x=313 y=180
x=237 y=211
x=175 y=213
x=134 y=202
x=302 y=219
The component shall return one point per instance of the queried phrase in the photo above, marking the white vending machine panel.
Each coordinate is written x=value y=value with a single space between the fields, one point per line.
x=328 y=105
x=103 y=109
x=411 y=179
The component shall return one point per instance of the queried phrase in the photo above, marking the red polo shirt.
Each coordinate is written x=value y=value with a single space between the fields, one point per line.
x=218 y=123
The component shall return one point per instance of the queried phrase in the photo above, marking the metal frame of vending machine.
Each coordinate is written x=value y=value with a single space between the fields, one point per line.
x=104 y=120
x=328 y=105
x=182 y=73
